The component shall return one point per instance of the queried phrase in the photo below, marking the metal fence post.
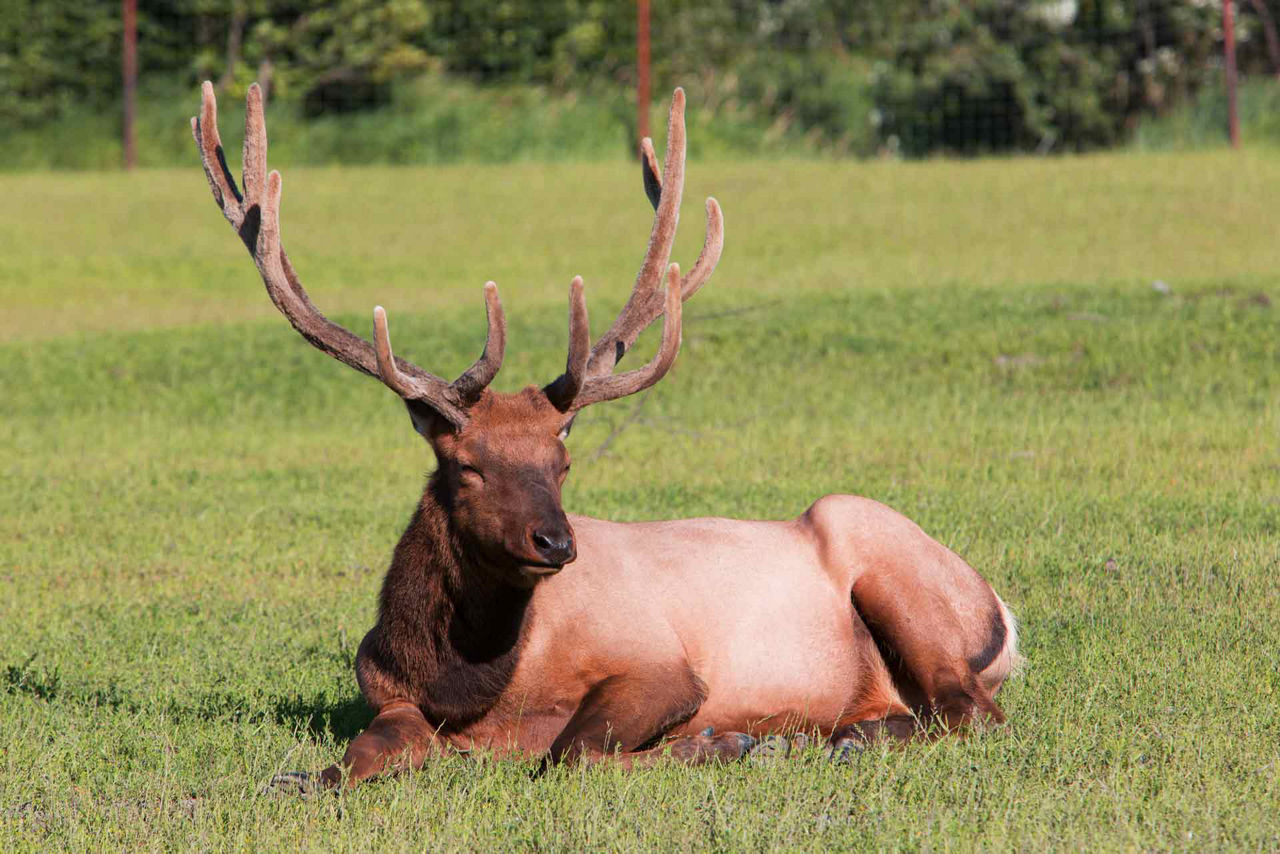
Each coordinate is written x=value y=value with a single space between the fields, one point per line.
x=1229 y=38
x=129 y=70
x=642 y=68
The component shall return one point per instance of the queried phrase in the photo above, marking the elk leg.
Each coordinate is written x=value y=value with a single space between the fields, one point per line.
x=630 y=713
x=852 y=738
x=398 y=739
x=694 y=750
x=943 y=635
x=878 y=712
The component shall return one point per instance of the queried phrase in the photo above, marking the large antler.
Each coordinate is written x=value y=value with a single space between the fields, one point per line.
x=588 y=376
x=255 y=215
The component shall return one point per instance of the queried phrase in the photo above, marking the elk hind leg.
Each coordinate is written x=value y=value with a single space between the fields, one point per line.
x=947 y=663
x=879 y=713
x=945 y=635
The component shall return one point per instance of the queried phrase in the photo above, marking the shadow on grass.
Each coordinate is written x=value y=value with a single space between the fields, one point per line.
x=343 y=720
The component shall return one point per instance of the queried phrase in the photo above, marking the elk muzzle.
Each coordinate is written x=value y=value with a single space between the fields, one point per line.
x=554 y=544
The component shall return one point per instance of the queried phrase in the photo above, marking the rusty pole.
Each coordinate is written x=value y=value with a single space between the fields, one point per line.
x=1229 y=37
x=129 y=71
x=642 y=67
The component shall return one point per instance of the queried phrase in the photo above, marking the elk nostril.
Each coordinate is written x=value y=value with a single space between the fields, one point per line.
x=555 y=546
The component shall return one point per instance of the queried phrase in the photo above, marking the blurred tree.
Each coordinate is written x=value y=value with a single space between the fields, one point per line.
x=846 y=75
x=342 y=56
x=55 y=54
x=990 y=75
x=547 y=41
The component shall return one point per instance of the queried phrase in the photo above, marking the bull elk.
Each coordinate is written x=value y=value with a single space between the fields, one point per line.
x=507 y=625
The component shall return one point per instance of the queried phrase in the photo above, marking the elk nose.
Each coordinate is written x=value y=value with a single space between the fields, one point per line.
x=555 y=546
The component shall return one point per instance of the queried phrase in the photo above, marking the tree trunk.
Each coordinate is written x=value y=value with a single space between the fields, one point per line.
x=235 y=39
x=1269 y=30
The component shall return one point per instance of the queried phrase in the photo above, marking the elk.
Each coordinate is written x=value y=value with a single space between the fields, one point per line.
x=508 y=625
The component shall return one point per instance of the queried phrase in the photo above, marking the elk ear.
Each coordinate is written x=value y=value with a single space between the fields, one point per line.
x=566 y=427
x=429 y=423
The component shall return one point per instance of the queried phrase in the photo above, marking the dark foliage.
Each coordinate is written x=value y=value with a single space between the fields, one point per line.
x=857 y=76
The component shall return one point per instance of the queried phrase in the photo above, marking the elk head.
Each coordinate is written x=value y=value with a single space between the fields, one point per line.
x=501 y=457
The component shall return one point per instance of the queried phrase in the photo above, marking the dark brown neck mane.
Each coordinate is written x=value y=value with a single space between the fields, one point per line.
x=448 y=628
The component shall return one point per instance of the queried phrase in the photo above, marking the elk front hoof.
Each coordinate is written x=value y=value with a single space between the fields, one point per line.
x=844 y=750
x=727 y=747
x=773 y=748
x=299 y=784
x=737 y=744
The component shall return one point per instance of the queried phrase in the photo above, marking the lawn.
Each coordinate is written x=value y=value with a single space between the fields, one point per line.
x=196 y=507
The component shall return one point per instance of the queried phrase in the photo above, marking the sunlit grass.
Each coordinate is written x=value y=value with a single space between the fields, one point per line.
x=113 y=252
x=196 y=507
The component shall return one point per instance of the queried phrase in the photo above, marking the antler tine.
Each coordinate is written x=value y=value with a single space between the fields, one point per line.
x=709 y=257
x=476 y=378
x=408 y=387
x=712 y=244
x=614 y=386
x=566 y=387
x=644 y=304
x=254 y=155
x=401 y=384
x=664 y=191
x=205 y=130
x=256 y=218
x=649 y=172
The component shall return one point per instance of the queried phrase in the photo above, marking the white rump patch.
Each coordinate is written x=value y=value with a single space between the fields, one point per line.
x=1015 y=660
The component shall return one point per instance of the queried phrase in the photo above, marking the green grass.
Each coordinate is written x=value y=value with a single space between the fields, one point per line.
x=1201 y=123
x=434 y=119
x=196 y=507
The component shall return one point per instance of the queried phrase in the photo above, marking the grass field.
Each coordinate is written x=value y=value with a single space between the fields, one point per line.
x=196 y=507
